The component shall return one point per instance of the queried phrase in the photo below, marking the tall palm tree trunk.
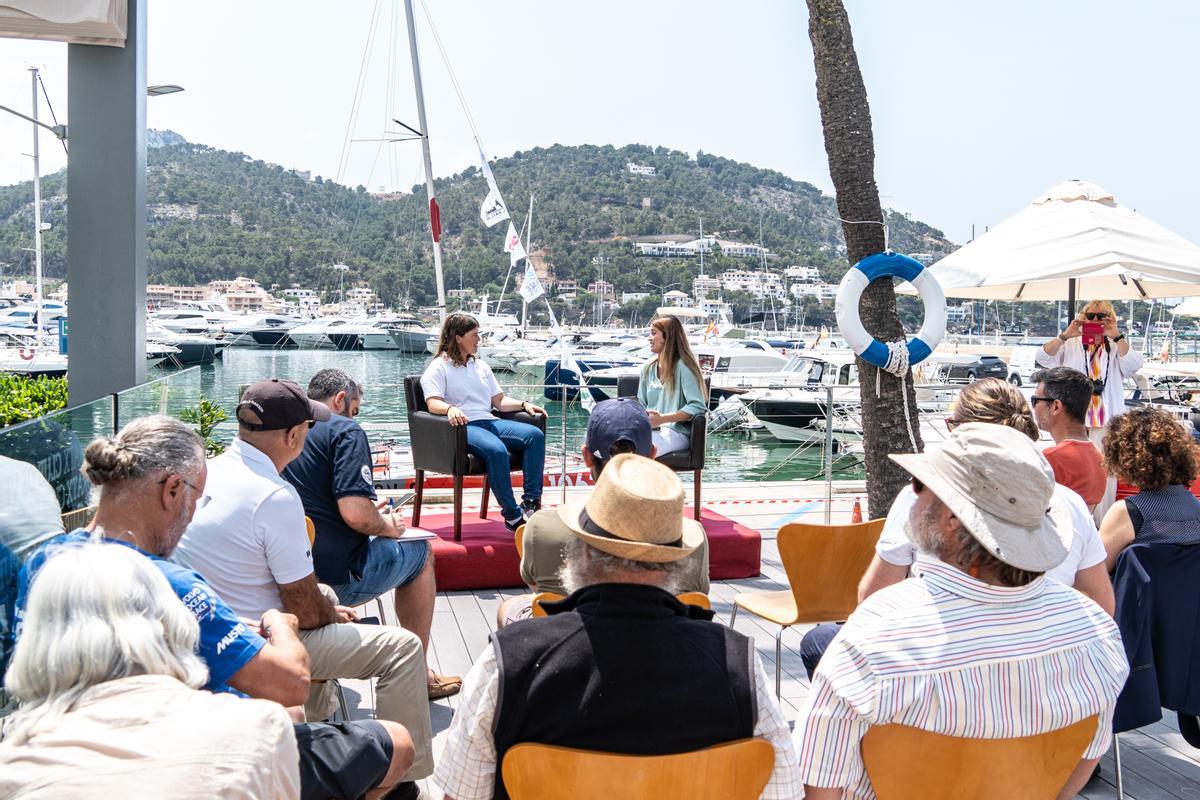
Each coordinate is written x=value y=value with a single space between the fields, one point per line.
x=850 y=146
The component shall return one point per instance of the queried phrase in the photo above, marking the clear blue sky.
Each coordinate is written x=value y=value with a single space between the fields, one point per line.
x=977 y=107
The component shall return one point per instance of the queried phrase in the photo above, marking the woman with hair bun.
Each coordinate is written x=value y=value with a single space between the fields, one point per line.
x=1149 y=449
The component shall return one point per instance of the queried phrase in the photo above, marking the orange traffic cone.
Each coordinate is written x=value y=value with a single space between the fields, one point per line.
x=856 y=514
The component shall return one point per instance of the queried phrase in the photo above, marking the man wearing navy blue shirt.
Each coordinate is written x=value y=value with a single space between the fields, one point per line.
x=152 y=478
x=357 y=551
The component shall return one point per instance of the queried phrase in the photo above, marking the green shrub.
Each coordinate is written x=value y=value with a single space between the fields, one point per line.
x=206 y=416
x=23 y=398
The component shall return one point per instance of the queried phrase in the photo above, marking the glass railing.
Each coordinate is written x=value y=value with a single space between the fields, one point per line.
x=55 y=442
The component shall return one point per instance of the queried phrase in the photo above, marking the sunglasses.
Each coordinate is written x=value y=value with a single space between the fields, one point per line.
x=1093 y=316
x=1034 y=399
x=917 y=486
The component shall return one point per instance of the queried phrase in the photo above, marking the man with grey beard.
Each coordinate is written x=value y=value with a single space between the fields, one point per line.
x=619 y=665
x=978 y=643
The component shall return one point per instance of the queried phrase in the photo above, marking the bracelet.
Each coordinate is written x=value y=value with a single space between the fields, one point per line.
x=1062 y=337
x=1118 y=338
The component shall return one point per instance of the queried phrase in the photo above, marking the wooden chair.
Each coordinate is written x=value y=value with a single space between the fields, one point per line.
x=438 y=446
x=824 y=564
x=519 y=541
x=732 y=771
x=687 y=598
x=79 y=518
x=690 y=460
x=907 y=763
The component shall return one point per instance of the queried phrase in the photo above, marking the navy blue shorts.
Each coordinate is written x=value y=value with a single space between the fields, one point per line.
x=343 y=760
x=390 y=563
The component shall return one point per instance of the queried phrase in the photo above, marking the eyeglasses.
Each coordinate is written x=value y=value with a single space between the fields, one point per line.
x=917 y=486
x=1034 y=399
x=201 y=500
x=1093 y=316
x=311 y=422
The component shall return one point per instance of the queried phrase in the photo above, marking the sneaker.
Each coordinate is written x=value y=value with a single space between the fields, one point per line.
x=513 y=524
x=530 y=507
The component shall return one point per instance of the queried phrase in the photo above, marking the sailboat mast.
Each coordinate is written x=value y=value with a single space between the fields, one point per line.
x=528 y=250
x=435 y=222
x=37 y=213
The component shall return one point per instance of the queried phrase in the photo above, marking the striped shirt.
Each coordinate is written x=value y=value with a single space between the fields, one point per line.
x=950 y=654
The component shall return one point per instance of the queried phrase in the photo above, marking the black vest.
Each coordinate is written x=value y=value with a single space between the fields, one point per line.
x=622 y=668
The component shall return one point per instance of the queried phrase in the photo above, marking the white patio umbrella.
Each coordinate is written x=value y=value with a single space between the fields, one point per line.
x=1075 y=240
x=1188 y=308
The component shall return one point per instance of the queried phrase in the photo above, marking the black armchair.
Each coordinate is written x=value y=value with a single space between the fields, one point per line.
x=438 y=446
x=690 y=460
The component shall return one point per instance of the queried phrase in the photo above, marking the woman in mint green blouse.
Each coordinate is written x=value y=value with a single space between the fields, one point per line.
x=671 y=386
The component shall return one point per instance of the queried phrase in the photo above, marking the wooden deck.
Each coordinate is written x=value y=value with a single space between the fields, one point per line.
x=1158 y=763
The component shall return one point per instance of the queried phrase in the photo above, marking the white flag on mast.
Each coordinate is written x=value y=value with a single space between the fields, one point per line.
x=492 y=210
x=513 y=240
x=531 y=287
x=517 y=254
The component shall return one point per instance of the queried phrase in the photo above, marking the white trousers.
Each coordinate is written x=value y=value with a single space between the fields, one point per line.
x=668 y=440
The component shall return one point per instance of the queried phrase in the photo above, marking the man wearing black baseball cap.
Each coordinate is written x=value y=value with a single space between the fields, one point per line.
x=275 y=405
x=616 y=426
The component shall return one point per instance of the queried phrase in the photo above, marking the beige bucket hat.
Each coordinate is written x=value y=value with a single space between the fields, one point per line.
x=1001 y=488
x=635 y=511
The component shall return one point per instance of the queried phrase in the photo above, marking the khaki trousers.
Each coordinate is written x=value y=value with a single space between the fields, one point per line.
x=392 y=656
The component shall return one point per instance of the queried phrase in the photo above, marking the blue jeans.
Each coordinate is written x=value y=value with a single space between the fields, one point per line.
x=815 y=643
x=491 y=440
x=389 y=564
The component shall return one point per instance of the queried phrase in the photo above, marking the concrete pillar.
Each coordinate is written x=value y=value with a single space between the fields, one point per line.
x=106 y=206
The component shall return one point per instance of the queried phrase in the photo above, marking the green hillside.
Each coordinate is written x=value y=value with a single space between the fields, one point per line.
x=216 y=214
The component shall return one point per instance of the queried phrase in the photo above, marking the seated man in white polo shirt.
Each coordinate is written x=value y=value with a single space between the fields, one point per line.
x=250 y=543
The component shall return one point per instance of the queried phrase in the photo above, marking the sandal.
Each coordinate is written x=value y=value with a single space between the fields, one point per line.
x=444 y=686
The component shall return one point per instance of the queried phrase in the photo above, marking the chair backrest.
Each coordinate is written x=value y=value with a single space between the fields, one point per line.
x=312 y=530
x=687 y=598
x=907 y=763
x=414 y=395
x=78 y=518
x=732 y=771
x=519 y=540
x=824 y=564
x=627 y=385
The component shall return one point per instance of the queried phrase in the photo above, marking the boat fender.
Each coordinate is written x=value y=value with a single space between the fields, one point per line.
x=901 y=266
x=30 y=350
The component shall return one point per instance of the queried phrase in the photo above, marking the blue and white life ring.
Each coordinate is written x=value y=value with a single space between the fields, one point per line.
x=850 y=292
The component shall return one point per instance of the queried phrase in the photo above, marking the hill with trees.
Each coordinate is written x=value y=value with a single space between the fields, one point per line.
x=215 y=214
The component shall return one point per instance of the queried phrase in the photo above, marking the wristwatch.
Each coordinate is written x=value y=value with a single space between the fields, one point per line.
x=1117 y=338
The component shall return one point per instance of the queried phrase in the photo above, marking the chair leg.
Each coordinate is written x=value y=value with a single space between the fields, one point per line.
x=382 y=610
x=733 y=615
x=778 y=661
x=419 y=485
x=458 y=500
x=483 y=504
x=696 y=492
x=341 y=694
x=1117 y=758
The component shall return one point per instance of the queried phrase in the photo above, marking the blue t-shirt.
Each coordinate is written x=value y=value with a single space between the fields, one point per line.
x=336 y=462
x=226 y=644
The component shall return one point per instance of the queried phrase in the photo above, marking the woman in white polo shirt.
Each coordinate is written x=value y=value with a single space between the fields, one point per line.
x=456 y=383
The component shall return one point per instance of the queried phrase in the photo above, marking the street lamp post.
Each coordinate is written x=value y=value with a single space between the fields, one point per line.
x=662 y=289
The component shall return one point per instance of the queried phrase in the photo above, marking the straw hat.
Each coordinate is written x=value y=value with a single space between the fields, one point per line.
x=635 y=512
x=1001 y=488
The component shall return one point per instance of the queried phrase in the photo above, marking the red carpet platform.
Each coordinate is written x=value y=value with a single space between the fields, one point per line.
x=486 y=558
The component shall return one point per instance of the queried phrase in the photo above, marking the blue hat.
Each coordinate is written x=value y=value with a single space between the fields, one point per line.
x=622 y=419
